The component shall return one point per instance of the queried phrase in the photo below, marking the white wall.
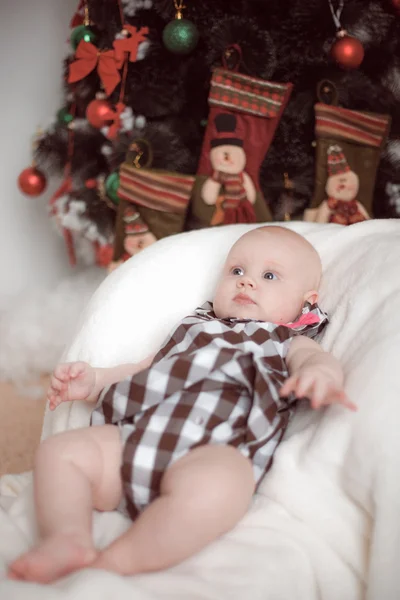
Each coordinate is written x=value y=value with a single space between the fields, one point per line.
x=32 y=46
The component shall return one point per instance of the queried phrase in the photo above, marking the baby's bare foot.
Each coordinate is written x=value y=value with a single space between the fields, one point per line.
x=51 y=559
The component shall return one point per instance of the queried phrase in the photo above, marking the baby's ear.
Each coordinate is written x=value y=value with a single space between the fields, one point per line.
x=311 y=297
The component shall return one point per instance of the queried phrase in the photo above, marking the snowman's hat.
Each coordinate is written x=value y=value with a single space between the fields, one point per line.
x=337 y=163
x=132 y=222
x=226 y=131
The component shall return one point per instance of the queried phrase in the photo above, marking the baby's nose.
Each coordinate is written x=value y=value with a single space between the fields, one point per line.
x=246 y=282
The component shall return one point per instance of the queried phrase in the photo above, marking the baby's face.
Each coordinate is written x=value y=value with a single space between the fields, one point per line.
x=269 y=273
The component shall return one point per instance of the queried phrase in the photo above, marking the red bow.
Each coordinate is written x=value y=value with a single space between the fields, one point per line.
x=130 y=44
x=114 y=128
x=64 y=189
x=305 y=319
x=88 y=57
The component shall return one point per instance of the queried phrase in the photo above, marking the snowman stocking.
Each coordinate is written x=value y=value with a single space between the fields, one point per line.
x=244 y=114
x=348 y=151
x=153 y=205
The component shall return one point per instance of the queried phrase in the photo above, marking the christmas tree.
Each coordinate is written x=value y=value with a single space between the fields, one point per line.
x=296 y=91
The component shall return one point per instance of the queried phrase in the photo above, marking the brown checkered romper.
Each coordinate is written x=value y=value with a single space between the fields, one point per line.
x=214 y=381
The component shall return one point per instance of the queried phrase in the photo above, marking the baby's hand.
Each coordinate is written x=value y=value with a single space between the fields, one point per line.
x=71 y=381
x=317 y=385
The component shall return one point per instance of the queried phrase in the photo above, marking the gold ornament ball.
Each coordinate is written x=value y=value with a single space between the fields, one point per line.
x=180 y=36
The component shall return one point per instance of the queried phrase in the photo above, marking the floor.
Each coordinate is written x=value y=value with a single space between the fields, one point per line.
x=21 y=418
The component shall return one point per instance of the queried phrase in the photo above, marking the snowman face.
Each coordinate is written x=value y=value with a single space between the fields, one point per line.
x=138 y=242
x=343 y=186
x=228 y=159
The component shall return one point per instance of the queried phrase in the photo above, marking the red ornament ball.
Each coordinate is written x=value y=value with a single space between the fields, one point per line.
x=99 y=113
x=348 y=52
x=32 y=182
x=396 y=5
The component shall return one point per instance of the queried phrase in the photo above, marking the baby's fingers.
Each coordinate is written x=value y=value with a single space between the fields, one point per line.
x=304 y=385
x=336 y=395
x=56 y=385
x=289 y=386
x=54 y=400
x=61 y=372
x=77 y=369
x=318 y=394
x=342 y=398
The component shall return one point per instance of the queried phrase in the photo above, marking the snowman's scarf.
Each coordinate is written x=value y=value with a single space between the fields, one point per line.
x=236 y=206
x=345 y=212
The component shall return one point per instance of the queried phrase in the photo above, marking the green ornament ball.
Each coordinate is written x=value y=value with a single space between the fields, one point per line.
x=81 y=33
x=112 y=185
x=64 y=117
x=180 y=36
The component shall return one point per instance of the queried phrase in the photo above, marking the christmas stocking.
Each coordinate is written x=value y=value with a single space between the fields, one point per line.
x=153 y=205
x=348 y=151
x=244 y=114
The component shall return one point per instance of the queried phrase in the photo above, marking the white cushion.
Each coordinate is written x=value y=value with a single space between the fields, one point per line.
x=136 y=306
x=334 y=484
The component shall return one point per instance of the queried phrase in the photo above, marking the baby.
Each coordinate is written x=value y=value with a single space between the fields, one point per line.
x=181 y=440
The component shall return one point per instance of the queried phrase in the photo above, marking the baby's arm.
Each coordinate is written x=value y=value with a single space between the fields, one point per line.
x=314 y=373
x=110 y=375
x=81 y=381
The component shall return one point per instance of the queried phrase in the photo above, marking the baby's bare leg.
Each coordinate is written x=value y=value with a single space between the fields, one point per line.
x=74 y=472
x=203 y=495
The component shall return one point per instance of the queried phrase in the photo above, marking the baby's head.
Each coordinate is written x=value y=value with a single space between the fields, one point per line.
x=269 y=274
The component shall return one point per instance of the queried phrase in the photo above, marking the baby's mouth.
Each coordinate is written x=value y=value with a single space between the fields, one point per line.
x=243 y=299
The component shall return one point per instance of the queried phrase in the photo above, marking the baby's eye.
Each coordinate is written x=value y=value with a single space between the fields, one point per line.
x=269 y=275
x=237 y=271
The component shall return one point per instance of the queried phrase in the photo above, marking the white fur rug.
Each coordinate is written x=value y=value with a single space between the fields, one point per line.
x=37 y=325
